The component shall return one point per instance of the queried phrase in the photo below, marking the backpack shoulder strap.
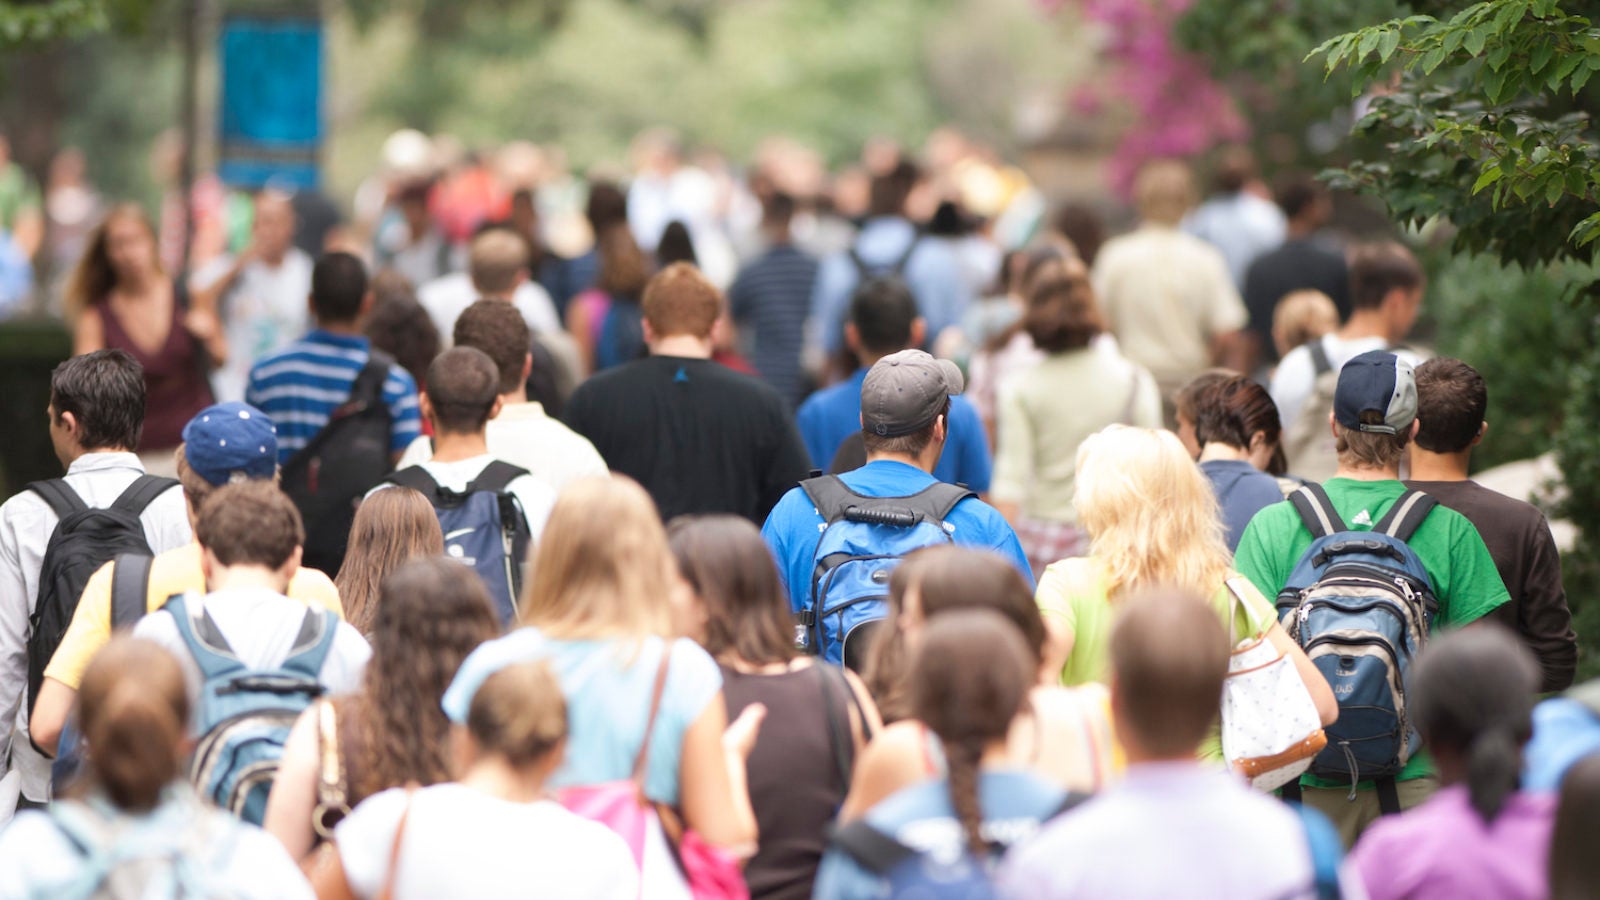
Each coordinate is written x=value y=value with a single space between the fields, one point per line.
x=873 y=850
x=313 y=644
x=130 y=585
x=1326 y=851
x=368 y=386
x=496 y=477
x=830 y=495
x=840 y=740
x=60 y=495
x=1316 y=510
x=862 y=271
x=1072 y=801
x=418 y=479
x=935 y=501
x=205 y=641
x=1320 y=363
x=144 y=490
x=1406 y=515
x=904 y=259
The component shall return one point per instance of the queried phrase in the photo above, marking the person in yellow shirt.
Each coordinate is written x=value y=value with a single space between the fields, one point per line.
x=223 y=443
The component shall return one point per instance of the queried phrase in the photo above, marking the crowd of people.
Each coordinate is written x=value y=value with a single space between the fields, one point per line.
x=897 y=539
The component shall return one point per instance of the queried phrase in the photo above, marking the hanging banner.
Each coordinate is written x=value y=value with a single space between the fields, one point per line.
x=271 y=101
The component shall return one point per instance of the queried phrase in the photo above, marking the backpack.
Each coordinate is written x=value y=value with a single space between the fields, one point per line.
x=483 y=526
x=178 y=851
x=621 y=335
x=84 y=540
x=1307 y=441
x=348 y=457
x=1360 y=604
x=910 y=874
x=862 y=541
x=245 y=715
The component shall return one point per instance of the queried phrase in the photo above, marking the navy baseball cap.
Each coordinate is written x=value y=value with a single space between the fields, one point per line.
x=1376 y=381
x=231 y=441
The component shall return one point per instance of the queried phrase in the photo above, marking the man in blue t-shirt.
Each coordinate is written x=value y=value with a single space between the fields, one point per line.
x=884 y=320
x=905 y=407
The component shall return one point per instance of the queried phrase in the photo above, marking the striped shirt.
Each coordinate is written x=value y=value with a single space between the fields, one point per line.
x=301 y=385
x=772 y=297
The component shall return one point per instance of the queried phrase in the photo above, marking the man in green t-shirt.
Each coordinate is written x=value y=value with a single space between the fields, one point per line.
x=1374 y=418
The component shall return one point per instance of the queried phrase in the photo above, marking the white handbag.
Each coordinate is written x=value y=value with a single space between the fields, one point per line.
x=1270 y=726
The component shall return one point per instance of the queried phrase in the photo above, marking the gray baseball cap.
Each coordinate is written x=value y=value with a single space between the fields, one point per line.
x=905 y=391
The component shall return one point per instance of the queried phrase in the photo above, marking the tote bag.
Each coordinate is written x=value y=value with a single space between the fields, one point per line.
x=673 y=860
x=1270 y=726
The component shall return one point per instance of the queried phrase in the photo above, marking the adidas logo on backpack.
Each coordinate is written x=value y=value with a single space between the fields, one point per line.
x=1360 y=604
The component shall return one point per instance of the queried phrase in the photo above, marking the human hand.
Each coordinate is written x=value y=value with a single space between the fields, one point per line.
x=740 y=737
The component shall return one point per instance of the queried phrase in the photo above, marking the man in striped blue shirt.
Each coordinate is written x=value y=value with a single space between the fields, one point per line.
x=772 y=298
x=301 y=385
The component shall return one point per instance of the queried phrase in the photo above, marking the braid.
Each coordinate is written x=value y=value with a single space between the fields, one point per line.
x=961 y=762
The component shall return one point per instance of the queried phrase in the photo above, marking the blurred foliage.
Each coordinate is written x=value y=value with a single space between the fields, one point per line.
x=30 y=23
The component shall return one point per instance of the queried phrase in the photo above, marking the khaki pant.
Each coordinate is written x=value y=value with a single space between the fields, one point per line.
x=1352 y=817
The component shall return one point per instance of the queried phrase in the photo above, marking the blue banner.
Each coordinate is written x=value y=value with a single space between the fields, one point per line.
x=271 y=102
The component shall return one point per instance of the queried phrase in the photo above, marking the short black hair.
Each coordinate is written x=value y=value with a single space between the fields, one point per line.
x=882 y=310
x=1377 y=269
x=1296 y=192
x=1451 y=401
x=105 y=392
x=338 y=283
x=463 y=384
x=607 y=206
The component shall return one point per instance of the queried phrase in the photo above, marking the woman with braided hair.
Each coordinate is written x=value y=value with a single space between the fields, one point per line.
x=430 y=614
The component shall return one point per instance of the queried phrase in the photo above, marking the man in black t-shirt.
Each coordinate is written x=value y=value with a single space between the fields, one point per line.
x=1302 y=262
x=1451 y=399
x=700 y=437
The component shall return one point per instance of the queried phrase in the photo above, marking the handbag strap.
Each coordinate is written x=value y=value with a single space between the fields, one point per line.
x=643 y=758
x=333 y=790
x=387 y=891
x=1237 y=593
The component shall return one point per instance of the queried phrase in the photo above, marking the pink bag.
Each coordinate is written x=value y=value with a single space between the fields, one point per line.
x=673 y=860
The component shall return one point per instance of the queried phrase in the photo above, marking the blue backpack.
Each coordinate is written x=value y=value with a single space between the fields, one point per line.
x=1360 y=604
x=483 y=527
x=862 y=542
x=244 y=714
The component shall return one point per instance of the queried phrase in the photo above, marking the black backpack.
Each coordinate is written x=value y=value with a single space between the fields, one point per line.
x=84 y=540
x=348 y=457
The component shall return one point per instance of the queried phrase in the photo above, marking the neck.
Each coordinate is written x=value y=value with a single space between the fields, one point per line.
x=685 y=345
x=1299 y=230
x=1429 y=466
x=274 y=260
x=448 y=447
x=494 y=776
x=520 y=395
x=244 y=577
x=135 y=283
x=344 y=329
x=503 y=297
x=1363 y=473
x=1215 y=450
x=927 y=462
x=1366 y=323
x=868 y=358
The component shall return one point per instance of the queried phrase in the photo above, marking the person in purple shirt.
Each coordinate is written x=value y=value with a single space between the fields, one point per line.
x=883 y=321
x=1480 y=836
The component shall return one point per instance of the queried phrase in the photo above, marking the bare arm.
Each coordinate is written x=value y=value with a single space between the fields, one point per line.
x=88 y=333
x=1321 y=693
x=50 y=714
x=711 y=778
x=895 y=759
x=294 y=789
x=1059 y=639
x=869 y=710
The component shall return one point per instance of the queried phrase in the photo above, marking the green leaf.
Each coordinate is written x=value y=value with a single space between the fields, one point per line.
x=1453 y=39
x=1432 y=59
x=1541 y=56
x=1580 y=78
x=1554 y=191
x=1577 y=184
x=1475 y=40
x=1369 y=43
x=1491 y=174
x=1494 y=82
x=1388 y=43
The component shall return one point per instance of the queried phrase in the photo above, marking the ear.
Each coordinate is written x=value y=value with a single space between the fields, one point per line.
x=852 y=337
x=311 y=307
x=1416 y=426
x=463 y=750
x=527 y=366
x=919 y=331
x=1333 y=425
x=291 y=566
x=69 y=423
x=425 y=406
x=1482 y=430
x=650 y=336
x=494 y=411
x=209 y=565
x=368 y=300
x=1257 y=441
x=941 y=430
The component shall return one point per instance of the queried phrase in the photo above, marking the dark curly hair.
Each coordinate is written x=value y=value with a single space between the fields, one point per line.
x=433 y=612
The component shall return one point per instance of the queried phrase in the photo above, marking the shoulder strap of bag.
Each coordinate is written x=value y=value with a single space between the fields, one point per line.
x=899 y=267
x=830 y=496
x=1326 y=851
x=63 y=500
x=1070 y=802
x=1406 y=515
x=387 y=891
x=144 y=490
x=418 y=479
x=1316 y=510
x=313 y=643
x=839 y=736
x=496 y=477
x=130 y=586
x=368 y=386
x=1133 y=396
x=643 y=759
x=1320 y=363
x=935 y=501
x=211 y=651
x=333 y=791
x=872 y=849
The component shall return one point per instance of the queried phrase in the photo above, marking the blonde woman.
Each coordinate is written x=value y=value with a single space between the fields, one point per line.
x=601 y=605
x=1153 y=522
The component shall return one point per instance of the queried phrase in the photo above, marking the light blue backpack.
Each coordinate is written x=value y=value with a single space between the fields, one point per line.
x=863 y=539
x=1361 y=605
x=245 y=715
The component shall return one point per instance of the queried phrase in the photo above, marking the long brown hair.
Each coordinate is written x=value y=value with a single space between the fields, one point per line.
x=728 y=565
x=93 y=278
x=624 y=270
x=133 y=705
x=433 y=612
x=602 y=566
x=947 y=579
x=969 y=678
x=391 y=527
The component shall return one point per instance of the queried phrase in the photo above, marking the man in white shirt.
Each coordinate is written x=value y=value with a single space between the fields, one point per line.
x=259 y=294
x=497 y=266
x=1167 y=295
x=521 y=434
x=96 y=412
x=1386 y=286
x=1201 y=831
x=250 y=538
x=1236 y=220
